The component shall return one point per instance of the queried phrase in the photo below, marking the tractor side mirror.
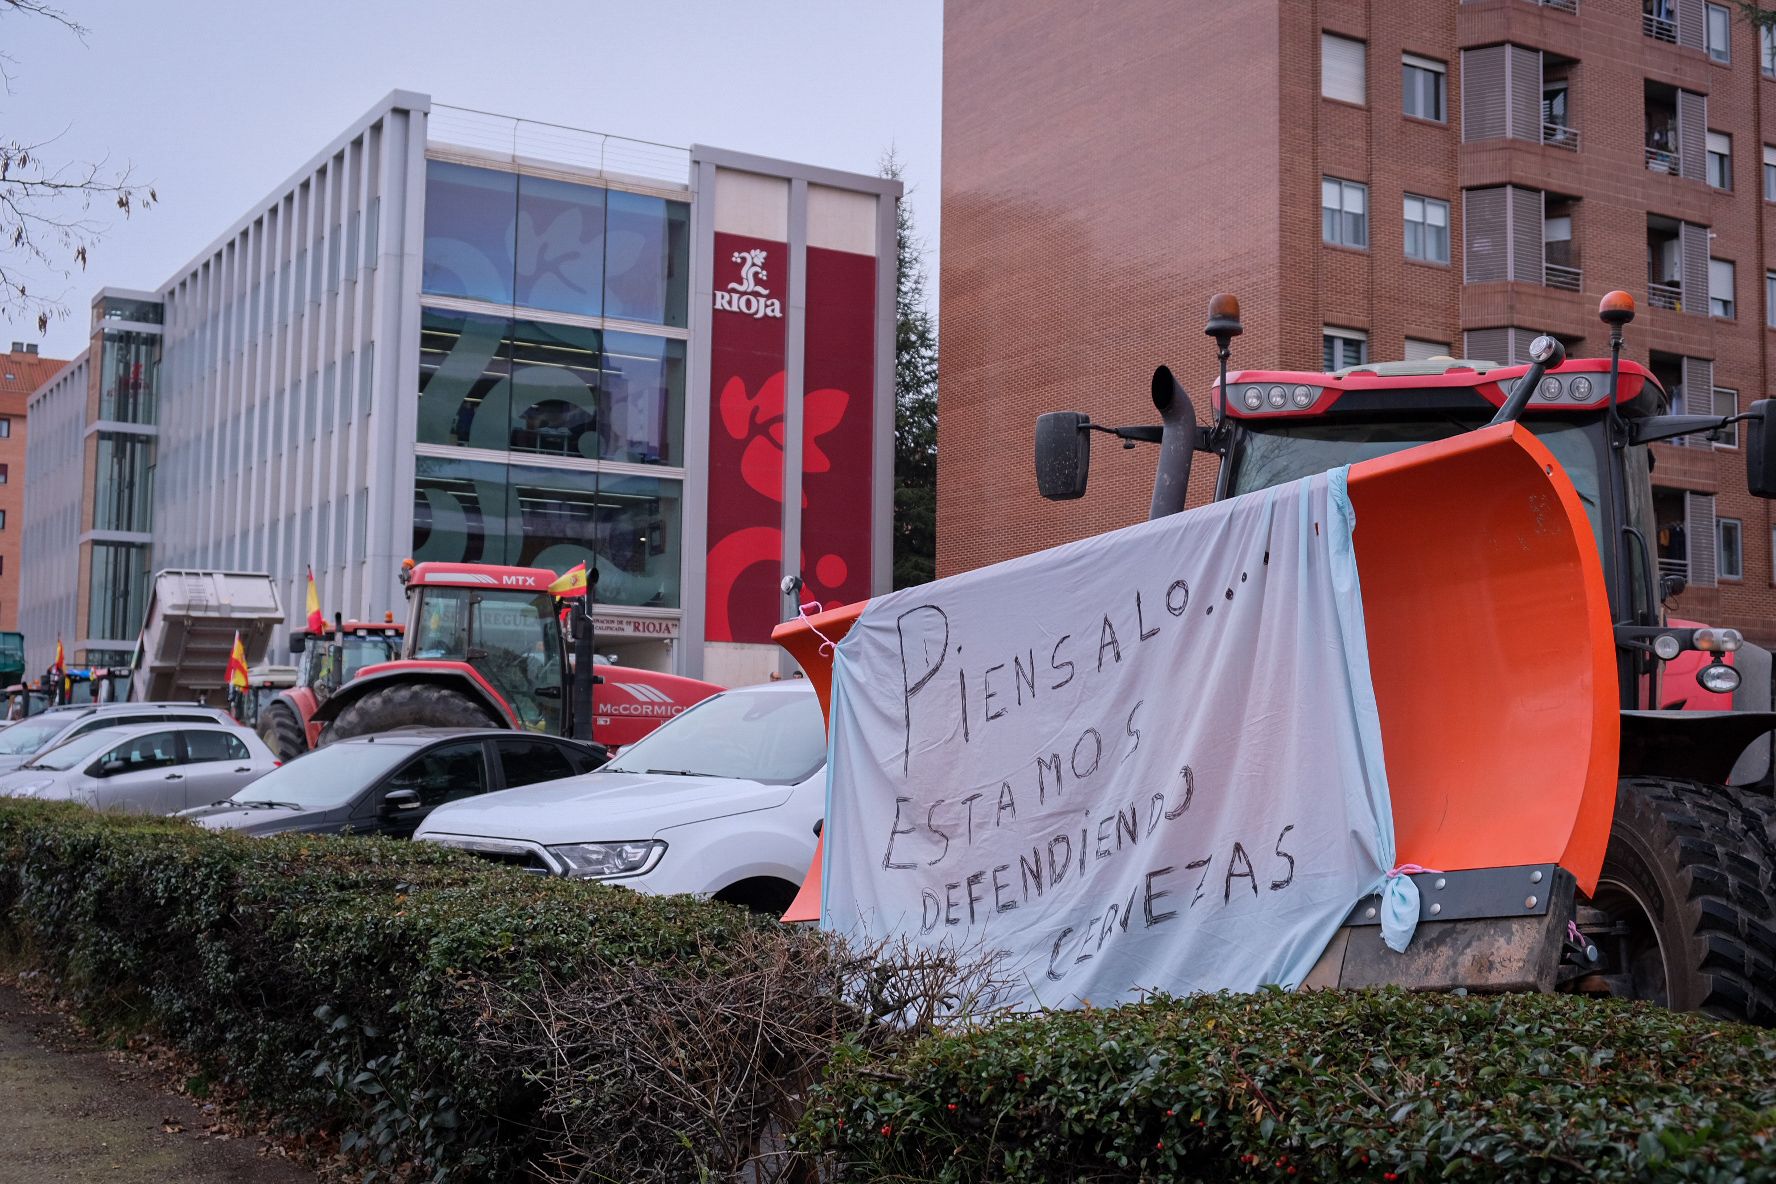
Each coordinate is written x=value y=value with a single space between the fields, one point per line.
x=298 y=641
x=1063 y=455
x=1760 y=448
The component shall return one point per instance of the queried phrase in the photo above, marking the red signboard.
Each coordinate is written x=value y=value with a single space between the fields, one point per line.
x=838 y=415
x=746 y=437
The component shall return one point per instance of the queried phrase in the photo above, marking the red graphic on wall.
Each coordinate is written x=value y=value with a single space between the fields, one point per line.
x=838 y=467
x=747 y=436
x=746 y=361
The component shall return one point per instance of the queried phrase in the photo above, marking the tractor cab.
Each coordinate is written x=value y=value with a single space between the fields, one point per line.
x=332 y=659
x=1596 y=415
x=501 y=622
x=1278 y=426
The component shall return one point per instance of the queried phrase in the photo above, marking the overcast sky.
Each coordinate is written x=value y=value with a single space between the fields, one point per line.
x=215 y=103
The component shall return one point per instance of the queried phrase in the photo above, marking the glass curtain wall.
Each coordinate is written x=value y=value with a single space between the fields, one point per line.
x=560 y=401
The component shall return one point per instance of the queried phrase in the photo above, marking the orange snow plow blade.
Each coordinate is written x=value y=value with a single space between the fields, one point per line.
x=1490 y=649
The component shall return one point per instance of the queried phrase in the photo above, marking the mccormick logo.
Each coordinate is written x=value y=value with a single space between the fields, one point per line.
x=652 y=702
x=748 y=296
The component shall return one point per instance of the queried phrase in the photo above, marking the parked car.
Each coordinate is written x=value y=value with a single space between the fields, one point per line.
x=386 y=784
x=721 y=801
x=144 y=768
x=28 y=737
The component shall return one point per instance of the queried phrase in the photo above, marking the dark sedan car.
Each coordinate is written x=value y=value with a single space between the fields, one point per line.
x=387 y=784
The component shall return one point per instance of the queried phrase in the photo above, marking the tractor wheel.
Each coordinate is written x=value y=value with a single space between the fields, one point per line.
x=1685 y=908
x=414 y=705
x=283 y=732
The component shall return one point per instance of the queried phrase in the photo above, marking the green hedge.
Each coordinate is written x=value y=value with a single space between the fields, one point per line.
x=348 y=985
x=479 y=1023
x=1316 y=1086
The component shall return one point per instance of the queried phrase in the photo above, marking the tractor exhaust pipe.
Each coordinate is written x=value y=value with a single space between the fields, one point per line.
x=1177 y=441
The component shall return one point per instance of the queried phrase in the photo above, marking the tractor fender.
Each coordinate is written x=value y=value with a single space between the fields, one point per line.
x=1690 y=745
x=459 y=676
x=302 y=704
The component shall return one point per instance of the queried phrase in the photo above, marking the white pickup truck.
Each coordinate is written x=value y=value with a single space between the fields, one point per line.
x=721 y=801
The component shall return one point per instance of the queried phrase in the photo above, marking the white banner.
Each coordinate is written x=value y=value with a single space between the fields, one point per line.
x=1144 y=761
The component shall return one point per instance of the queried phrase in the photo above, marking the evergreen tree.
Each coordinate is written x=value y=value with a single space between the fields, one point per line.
x=915 y=405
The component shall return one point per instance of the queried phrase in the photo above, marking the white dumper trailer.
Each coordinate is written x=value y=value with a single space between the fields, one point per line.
x=193 y=616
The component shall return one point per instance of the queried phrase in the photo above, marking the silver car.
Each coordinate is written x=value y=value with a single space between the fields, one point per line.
x=29 y=737
x=145 y=768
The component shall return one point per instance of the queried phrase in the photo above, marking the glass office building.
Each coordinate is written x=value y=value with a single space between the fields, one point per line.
x=465 y=338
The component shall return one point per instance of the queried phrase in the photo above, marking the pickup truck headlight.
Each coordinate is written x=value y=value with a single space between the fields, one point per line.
x=603 y=861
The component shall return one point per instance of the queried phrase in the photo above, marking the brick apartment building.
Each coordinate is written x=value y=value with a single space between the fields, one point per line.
x=1374 y=180
x=22 y=370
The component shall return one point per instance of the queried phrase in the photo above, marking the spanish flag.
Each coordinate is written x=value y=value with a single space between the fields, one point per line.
x=571 y=583
x=317 y=624
x=236 y=674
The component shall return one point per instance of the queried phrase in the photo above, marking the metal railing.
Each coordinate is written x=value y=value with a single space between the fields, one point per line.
x=1560 y=135
x=1567 y=279
x=1668 y=296
x=522 y=139
x=1661 y=160
x=1571 y=6
x=1674 y=567
x=1658 y=28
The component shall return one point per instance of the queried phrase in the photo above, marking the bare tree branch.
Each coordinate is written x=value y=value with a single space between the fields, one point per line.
x=49 y=210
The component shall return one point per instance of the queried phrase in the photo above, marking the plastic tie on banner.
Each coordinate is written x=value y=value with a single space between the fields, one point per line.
x=807 y=612
x=1399 y=904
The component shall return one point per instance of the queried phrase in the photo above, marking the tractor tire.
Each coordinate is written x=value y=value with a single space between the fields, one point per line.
x=283 y=732
x=1688 y=897
x=414 y=705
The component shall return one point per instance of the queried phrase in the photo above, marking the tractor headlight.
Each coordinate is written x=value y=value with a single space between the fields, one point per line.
x=603 y=861
x=1719 y=641
x=1580 y=388
x=1254 y=398
x=1302 y=396
x=1278 y=397
x=1718 y=677
x=1667 y=646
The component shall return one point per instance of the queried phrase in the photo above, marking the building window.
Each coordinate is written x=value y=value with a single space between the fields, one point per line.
x=1770 y=299
x=1767 y=50
x=1343 y=347
x=5 y=427
x=3 y=474
x=1726 y=405
x=1344 y=212
x=2 y=519
x=1343 y=75
x=1720 y=288
x=1427 y=229
x=1720 y=25
x=1720 y=160
x=1729 y=551
x=1424 y=351
x=1421 y=87
x=1769 y=173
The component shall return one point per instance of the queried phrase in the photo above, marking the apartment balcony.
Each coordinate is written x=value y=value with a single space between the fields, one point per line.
x=1567 y=279
x=1674 y=567
x=1661 y=160
x=1658 y=28
x=1560 y=135
x=1666 y=296
x=1568 y=6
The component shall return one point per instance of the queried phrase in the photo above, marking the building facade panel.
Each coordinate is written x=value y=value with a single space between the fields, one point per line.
x=452 y=336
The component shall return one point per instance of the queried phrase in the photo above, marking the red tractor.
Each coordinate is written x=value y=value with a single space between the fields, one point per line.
x=484 y=647
x=329 y=660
